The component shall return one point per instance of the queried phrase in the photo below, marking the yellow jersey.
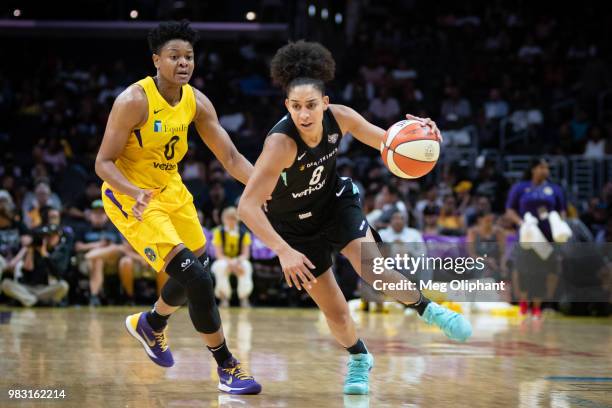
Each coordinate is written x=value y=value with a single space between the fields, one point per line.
x=230 y=240
x=152 y=153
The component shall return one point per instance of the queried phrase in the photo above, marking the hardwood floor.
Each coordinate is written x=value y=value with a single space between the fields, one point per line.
x=557 y=362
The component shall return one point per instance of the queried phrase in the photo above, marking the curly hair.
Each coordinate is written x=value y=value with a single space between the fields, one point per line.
x=302 y=62
x=171 y=30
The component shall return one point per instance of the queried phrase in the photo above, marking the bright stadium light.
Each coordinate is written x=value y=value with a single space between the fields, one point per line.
x=324 y=13
x=338 y=18
x=312 y=10
x=134 y=14
x=251 y=16
x=16 y=13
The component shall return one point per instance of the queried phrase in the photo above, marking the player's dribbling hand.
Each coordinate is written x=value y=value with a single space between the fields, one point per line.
x=142 y=200
x=428 y=122
x=296 y=268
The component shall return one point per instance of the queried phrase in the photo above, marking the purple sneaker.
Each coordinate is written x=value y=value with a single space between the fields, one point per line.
x=233 y=379
x=154 y=343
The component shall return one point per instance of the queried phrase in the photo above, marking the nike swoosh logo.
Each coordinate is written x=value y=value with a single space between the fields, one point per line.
x=150 y=342
x=340 y=192
x=230 y=381
x=155 y=112
x=300 y=157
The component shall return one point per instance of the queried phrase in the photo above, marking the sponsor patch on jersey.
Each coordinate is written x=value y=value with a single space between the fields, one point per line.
x=157 y=126
x=309 y=190
x=150 y=254
x=333 y=138
x=305 y=215
x=548 y=190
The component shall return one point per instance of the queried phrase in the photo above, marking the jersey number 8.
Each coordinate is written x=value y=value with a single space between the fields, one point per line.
x=316 y=175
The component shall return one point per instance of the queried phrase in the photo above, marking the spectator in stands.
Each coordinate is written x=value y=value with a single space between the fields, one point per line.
x=232 y=252
x=431 y=214
x=456 y=111
x=490 y=183
x=463 y=195
x=11 y=227
x=595 y=147
x=530 y=52
x=46 y=259
x=32 y=202
x=605 y=234
x=487 y=240
x=579 y=126
x=98 y=248
x=193 y=169
x=496 y=108
x=79 y=205
x=595 y=215
x=215 y=205
x=450 y=221
x=384 y=108
x=399 y=232
x=387 y=202
x=430 y=198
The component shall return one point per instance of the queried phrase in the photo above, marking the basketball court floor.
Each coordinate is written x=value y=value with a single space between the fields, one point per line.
x=509 y=362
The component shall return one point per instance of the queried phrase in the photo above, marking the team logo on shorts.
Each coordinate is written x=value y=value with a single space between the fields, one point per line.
x=150 y=253
x=332 y=138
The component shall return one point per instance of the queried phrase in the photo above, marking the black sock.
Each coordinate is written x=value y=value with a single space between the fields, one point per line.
x=221 y=353
x=421 y=304
x=157 y=321
x=357 y=348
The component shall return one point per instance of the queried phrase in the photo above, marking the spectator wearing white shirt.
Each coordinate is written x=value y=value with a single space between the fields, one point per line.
x=595 y=147
x=385 y=108
x=398 y=232
x=495 y=107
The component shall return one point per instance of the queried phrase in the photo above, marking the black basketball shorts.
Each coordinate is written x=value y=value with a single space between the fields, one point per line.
x=318 y=237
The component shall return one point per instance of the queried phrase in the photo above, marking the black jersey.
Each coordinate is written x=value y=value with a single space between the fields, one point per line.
x=310 y=184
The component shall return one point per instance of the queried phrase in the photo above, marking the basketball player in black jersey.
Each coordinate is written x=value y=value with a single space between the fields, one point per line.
x=313 y=212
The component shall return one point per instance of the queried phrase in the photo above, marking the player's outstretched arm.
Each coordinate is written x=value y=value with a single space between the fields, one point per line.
x=278 y=153
x=218 y=141
x=367 y=133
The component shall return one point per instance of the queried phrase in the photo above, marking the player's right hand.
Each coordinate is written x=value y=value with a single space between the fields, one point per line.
x=142 y=200
x=296 y=268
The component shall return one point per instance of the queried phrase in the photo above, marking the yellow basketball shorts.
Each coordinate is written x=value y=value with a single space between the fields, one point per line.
x=169 y=220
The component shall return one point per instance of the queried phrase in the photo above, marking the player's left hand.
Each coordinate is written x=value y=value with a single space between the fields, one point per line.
x=428 y=122
x=142 y=200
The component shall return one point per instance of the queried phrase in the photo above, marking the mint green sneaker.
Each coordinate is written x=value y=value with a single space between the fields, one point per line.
x=454 y=325
x=358 y=376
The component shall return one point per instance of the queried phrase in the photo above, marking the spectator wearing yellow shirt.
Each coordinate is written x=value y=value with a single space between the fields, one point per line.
x=232 y=245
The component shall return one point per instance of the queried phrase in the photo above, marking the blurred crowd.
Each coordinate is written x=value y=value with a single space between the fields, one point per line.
x=480 y=72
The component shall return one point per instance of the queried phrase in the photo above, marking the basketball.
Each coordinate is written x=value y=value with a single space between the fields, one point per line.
x=410 y=150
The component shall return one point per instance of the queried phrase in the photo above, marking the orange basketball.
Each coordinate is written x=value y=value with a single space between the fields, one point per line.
x=410 y=150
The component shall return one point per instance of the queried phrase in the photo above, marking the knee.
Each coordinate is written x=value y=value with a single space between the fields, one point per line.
x=247 y=268
x=219 y=267
x=126 y=263
x=189 y=272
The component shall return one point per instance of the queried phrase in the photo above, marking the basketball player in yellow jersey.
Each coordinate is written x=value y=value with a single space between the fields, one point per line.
x=144 y=196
